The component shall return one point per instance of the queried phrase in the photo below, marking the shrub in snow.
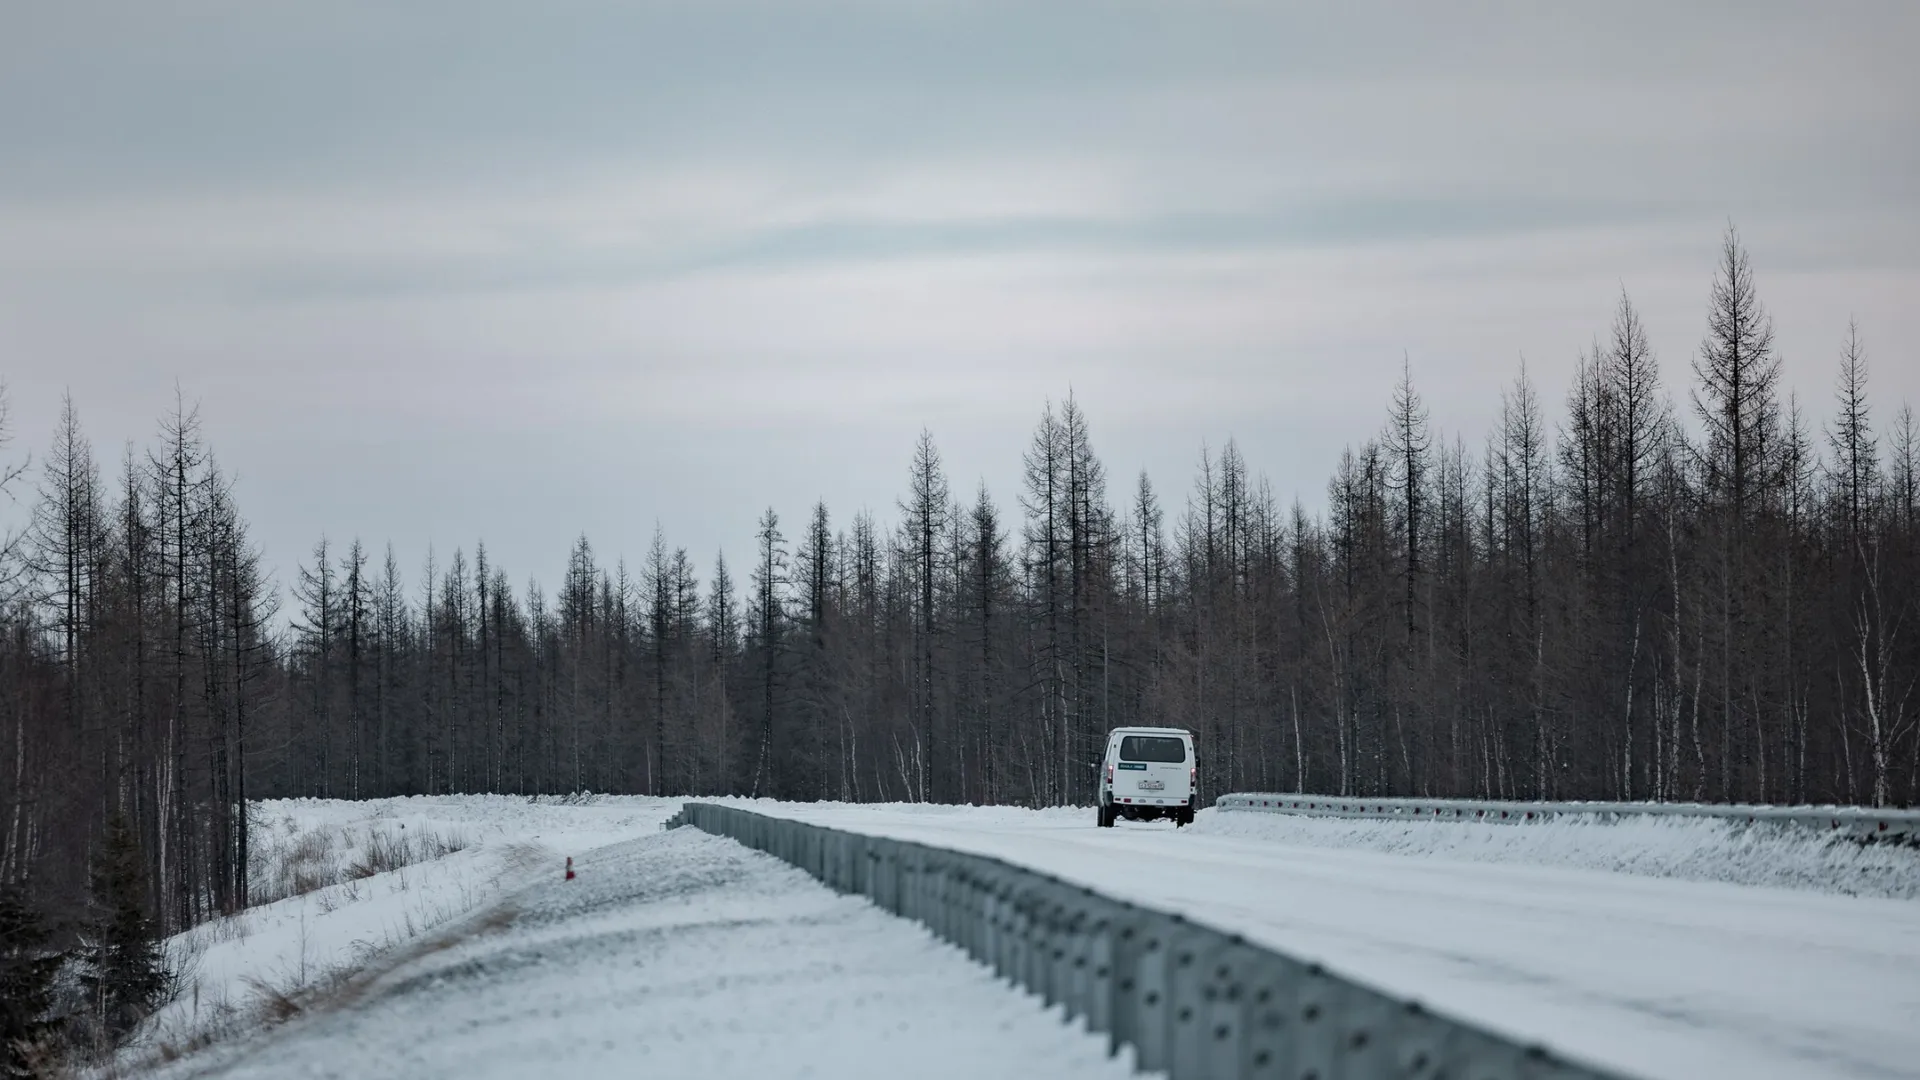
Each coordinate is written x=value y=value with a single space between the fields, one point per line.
x=123 y=966
x=290 y=861
x=28 y=964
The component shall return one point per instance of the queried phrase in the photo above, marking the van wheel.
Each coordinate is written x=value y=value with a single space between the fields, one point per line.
x=1106 y=816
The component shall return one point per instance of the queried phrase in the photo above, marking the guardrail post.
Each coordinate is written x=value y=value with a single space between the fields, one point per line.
x=1058 y=948
x=1098 y=1002
x=1129 y=948
x=1040 y=946
x=1017 y=940
x=921 y=878
x=949 y=893
x=1039 y=943
x=1007 y=957
x=1365 y=1026
x=1227 y=1002
x=1183 y=963
x=936 y=893
x=1272 y=987
x=1151 y=1012
x=1315 y=1044
x=990 y=921
x=966 y=924
x=960 y=923
x=1011 y=930
x=923 y=886
x=984 y=912
x=993 y=942
x=1200 y=975
x=909 y=879
x=928 y=895
x=1080 y=911
x=1189 y=957
x=926 y=888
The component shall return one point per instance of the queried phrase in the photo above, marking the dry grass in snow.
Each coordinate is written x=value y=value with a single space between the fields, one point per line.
x=341 y=889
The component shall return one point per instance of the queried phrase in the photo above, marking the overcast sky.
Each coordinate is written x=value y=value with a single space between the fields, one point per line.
x=442 y=271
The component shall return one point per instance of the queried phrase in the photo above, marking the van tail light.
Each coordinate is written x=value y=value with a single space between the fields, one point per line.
x=1109 y=774
x=1193 y=776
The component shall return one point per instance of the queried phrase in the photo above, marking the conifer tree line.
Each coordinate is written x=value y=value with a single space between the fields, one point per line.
x=1704 y=593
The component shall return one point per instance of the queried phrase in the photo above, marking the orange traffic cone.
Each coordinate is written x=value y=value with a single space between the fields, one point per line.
x=569 y=868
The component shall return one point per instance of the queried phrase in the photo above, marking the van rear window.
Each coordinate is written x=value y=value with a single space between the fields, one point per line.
x=1153 y=748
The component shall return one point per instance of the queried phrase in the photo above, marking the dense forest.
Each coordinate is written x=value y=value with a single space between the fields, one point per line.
x=1707 y=594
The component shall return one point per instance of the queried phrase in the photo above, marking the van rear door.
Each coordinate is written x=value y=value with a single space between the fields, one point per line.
x=1153 y=769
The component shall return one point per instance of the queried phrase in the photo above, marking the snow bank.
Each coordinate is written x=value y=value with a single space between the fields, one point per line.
x=1693 y=849
x=351 y=883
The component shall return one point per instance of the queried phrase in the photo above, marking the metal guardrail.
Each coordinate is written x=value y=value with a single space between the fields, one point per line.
x=1857 y=821
x=1193 y=1002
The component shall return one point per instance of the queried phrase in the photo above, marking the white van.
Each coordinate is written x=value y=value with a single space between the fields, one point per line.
x=1148 y=773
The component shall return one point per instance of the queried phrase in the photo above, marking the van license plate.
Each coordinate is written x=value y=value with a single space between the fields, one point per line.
x=1152 y=785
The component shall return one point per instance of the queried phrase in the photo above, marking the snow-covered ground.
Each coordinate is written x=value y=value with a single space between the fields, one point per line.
x=1656 y=976
x=1666 y=949
x=348 y=910
x=1696 y=849
x=672 y=955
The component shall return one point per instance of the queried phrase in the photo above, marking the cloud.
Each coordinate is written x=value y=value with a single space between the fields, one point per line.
x=608 y=238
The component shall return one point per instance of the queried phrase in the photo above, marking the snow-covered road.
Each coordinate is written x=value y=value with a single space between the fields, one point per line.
x=1660 y=978
x=677 y=955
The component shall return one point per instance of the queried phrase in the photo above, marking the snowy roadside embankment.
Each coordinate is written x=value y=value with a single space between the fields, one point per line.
x=345 y=884
x=676 y=955
x=1691 y=849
